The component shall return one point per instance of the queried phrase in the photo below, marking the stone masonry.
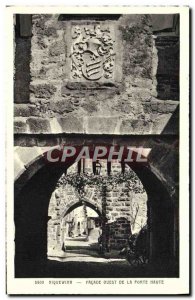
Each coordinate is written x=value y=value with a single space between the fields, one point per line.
x=124 y=104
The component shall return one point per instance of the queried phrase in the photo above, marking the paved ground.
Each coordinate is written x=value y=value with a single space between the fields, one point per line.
x=84 y=249
x=82 y=260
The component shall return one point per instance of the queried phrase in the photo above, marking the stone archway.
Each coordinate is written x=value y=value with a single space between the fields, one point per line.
x=60 y=229
x=79 y=203
x=35 y=187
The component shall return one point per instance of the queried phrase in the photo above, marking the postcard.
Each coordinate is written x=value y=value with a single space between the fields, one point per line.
x=98 y=157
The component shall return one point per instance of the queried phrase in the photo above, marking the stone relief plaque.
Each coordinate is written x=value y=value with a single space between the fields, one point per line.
x=92 y=52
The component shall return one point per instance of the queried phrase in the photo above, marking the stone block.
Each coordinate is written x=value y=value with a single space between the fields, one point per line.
x=109 y=208
x=71 y=124
x=171 y=106
x=101 y=125
x=160 y=122
x=20 y=125
x=114 y=214
x=41 y=29
x=162 y=107
x=18 y=167
x=147 y=107
x=154 y=105
x=109 y=199
x=122 y=209
x=24 y=110
x=135 y=126
x=116 y=204
x=144 y=83
x=43 y=90
x=62 y=106
x=108 y=194
x=109 y=188
x=122 y=199
x=39 y=125
x=57 y=48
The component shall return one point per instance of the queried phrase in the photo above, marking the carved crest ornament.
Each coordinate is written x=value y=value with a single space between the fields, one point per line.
x=92 y=53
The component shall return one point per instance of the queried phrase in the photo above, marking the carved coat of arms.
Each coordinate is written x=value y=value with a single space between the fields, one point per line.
x=92 y=53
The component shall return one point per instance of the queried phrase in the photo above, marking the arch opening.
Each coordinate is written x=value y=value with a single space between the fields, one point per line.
x=76 y=233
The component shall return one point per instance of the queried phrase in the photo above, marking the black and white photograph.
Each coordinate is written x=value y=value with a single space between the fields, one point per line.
x=98 y=196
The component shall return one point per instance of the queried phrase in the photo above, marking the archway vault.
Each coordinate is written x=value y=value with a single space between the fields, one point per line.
x=74 y=204
x=39 y=177
x=28 y=160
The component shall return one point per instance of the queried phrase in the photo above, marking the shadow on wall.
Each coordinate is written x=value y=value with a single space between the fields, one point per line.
x=31 y=217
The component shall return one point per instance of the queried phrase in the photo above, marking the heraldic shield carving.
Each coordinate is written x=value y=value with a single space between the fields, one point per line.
x=92 y=53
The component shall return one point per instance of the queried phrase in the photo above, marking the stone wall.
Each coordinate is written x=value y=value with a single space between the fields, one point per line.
x=126 y=103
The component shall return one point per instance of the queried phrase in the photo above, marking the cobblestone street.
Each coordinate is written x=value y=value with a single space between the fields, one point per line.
x=82 y=249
